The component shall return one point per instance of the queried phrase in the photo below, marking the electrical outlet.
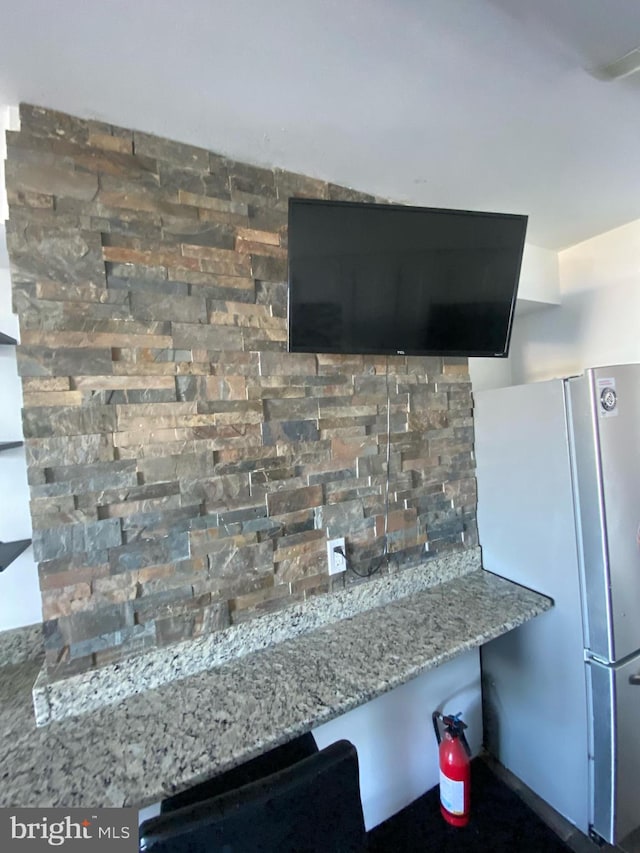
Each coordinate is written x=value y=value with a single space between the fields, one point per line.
x=337 y=563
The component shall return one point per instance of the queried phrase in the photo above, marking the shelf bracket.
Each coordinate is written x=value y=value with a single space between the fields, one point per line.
x=10 y=550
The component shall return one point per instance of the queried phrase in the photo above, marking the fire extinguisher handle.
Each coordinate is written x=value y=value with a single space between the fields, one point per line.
x=435 y=717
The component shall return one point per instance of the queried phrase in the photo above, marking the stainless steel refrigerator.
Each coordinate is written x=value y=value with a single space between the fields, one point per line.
x=558 y=467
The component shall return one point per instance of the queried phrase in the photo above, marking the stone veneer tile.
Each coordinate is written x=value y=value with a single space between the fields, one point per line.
x=171 y=440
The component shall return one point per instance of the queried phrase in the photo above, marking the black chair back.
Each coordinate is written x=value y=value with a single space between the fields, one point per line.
x=250 y=771
x=311 y=807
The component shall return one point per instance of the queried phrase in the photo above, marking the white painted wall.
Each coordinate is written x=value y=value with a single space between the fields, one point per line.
x=539 y=276
x=397 y=749
x=20 y=602
x=598 y=322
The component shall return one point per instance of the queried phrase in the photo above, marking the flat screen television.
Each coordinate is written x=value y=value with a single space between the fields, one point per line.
x=400 y=280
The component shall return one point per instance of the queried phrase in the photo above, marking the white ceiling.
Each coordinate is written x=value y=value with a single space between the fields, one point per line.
x=480 y=104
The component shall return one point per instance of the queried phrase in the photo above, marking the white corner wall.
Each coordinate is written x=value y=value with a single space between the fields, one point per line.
x=20 y=602
x=394 y=737
x=598 y=321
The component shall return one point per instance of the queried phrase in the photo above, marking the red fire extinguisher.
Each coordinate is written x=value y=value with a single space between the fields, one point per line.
x=455 y=769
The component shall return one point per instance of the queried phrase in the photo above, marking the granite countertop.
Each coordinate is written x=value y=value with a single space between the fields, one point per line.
x=154 y=743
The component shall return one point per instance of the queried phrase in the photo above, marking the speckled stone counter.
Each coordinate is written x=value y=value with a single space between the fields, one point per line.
x=19 y=645
x=167 y=739
x=86 y=692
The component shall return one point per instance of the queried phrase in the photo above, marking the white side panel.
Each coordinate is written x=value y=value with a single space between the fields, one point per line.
x=393 y=734
x=534 y=689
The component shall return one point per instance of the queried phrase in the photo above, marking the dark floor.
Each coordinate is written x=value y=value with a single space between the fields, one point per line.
x=500 y=823
x=505 y=816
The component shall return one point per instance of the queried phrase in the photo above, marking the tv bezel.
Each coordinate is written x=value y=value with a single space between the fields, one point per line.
x=461 y=353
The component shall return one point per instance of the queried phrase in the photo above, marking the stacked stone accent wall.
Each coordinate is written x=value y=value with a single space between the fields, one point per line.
x=185 y=470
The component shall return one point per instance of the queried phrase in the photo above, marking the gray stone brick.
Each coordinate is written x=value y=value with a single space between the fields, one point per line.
x=135 y=637
x=274 y=432
x=252 y=180
x=51 y=179
x=135 y=271
x=93 y=478
x=338 y=193
x=150 y=305
x=69 y=450
x=44 y=122
x=304 y=408
x=173 y=179
x=137 y=555
x=189 y=388
x=274 y=294
x=169 y=519
x=266 y=217
x=269 y=269
x=339 y=519
x=56 y=542
x=216 y=235
x=56 y=255
x=292 y=184
x=186 y=466
x=48 y=361
x=285 y=501
x=228 y=561
x=136 y=396
x=219 y=492
x=206 y=337
x=177 y=153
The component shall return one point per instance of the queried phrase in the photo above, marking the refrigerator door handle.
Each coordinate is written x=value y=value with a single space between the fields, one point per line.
x=635 y=679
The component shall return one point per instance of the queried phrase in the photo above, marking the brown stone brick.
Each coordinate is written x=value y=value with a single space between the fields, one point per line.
x=117 y=254
x=137 y=201
x=26 y=198
x=122 y=145
x=218 y=260
x=52 y=398
x=252 y=235
x=249 y=247
x=312 y=585
x=64 y=601
x=111 y=383
x=287 y=364
x=313 y=563
x=45 y=383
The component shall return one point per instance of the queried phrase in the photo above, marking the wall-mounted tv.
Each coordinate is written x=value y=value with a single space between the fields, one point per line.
x=394 y=279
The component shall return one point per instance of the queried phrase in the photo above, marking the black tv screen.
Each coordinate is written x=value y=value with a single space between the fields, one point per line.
x=394 y=279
